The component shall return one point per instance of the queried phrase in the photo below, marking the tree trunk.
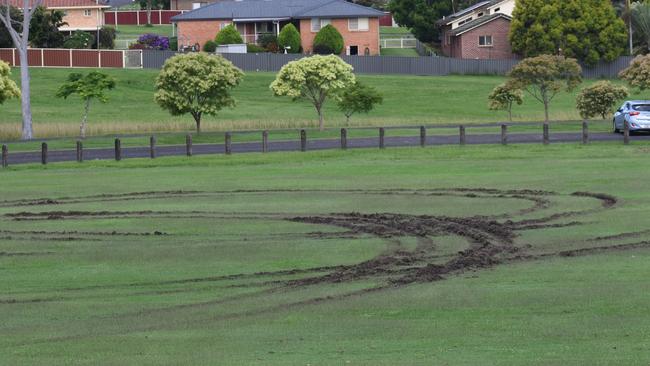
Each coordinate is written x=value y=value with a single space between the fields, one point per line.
x=545 y=109
x=82 y=128
x=197 y=119
x=149 y=12
x=25 y=100
x=510 y=112
x=321 y=121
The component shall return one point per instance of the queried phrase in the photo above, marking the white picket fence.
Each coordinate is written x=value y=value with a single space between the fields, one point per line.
x=398 y=42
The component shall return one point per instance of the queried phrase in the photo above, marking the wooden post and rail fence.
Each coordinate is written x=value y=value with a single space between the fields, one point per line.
x=584 y=138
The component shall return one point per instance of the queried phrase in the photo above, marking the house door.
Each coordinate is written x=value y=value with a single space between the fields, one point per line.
x=354 y=50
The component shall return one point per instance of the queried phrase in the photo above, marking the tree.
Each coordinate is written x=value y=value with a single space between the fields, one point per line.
x=546 y=75
x=5 y=37
x=198 y=84
x=88 y=87
x=315 y=79
x=8 y=88
x=229 y=35
x=106 y=39
x=587 y=30
x=420 y=16
x=358 y=98
x=638 y=73
x=153 y=4
x=328 y=36
x=20 y=40
x=44 y=28
x=641 y=20
x=503 y=97
x=599 y=99
x=289 y=39
x=80 y=40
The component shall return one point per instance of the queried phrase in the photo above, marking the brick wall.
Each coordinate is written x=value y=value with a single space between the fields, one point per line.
x=500 y=49
x=362 y=39
x=77 y=20
x=198 y=31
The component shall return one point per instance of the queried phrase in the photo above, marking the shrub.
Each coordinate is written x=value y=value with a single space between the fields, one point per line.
x=253 y=48
x=106 y=38
x=210 y=46
x=599 y=99
x=229 y=35
x=321 y=49
x=269 y=42
x=151 y=42
x=79 y=40
x=330 y=37
x=289 y=37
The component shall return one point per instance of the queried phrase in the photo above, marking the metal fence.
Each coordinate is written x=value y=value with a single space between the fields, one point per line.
x=273 y=62
x=392 y=64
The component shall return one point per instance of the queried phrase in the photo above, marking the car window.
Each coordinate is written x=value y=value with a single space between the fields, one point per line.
x=641 y=107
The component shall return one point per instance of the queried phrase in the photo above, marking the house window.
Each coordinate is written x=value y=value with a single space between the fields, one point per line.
x=358 y=24
x=318 y=23
x=496 y=10
x=465 y=21
x=480 y=15
x=485 y=41
x=88 y=12
x=198 y=5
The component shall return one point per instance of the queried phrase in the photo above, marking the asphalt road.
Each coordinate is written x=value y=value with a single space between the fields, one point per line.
x=323 y=144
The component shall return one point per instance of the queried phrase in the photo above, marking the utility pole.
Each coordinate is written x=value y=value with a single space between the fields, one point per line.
x=629 y=24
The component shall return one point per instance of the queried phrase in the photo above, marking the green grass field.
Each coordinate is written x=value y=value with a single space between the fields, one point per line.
x=481 y=255
x=404 y=52
x=408 y=100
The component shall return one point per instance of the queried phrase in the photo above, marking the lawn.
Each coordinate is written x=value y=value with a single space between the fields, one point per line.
x=404 y=52
x=481 y=255
x=408 y=100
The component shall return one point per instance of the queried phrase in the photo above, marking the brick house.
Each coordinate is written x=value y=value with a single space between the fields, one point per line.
x=84 y=15
x=359 y=25
x=478 y=32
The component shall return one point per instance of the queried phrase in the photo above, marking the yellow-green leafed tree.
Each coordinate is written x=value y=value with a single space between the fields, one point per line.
x=198 y=84
x=315 y=79
x=8 y=88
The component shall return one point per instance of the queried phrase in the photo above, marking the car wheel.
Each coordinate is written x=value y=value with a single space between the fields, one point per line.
x=616 y=130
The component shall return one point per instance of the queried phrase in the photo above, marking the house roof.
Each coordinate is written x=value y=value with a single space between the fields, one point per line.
x=461 y=13
x=477 y=23
x=60 y=3
x=279 y=9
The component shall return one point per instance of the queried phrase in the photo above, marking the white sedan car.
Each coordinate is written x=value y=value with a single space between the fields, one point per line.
x=636 y=113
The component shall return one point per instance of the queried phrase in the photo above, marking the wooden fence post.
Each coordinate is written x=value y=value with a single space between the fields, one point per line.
x=44 y=153
x=265 y=141
x=504 y=134
x=5 y=156
x=152 y=147
x=118 y=150
x=545 y=139
x=423 y=136
x=626 y=133
x=585 y=132
x=382 y=133
x=80 y=151
x=461 y=133
x=228 y=144
x=188 y=145
x=344 y=139
x=303 y=140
